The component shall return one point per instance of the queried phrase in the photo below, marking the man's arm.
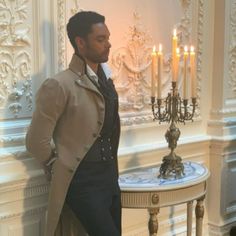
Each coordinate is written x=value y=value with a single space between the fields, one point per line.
x=50 y=103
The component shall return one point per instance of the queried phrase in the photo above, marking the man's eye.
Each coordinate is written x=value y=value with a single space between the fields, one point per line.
x=100 y=40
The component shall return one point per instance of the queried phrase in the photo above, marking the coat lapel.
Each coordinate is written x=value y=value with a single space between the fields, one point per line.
x=77 y=65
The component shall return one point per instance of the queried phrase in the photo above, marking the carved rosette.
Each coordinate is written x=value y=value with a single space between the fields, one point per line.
x=232 y=47
x=15 y=81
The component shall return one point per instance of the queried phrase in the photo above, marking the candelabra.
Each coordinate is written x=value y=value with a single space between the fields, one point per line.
x=174 y=110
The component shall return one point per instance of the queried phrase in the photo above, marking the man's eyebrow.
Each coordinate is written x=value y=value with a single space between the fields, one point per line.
x=102 y=36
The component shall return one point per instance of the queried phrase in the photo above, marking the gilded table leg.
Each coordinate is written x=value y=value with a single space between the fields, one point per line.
x=153 y=221
x=189 y=217
x=199 y=211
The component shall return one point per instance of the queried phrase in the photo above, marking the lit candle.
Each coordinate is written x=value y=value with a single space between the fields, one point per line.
x=185 y=72
x=174 y=46
x=192 y=71
x=154 y=71
x=160 y=65
x=177 y=64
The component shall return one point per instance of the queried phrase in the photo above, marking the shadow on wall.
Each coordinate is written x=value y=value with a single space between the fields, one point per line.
x=133 y=158
x=36 y=189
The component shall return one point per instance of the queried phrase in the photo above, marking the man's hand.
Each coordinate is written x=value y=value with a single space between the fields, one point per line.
x=48 y=172
x=47 y=167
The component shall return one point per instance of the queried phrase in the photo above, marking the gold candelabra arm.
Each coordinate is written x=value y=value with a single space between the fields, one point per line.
x=173 y=110
x=186 y=111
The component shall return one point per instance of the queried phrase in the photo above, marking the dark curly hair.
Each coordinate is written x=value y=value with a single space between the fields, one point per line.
x=80 y=25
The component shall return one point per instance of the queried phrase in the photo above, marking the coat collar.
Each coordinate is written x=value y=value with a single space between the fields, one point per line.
x=78 y=66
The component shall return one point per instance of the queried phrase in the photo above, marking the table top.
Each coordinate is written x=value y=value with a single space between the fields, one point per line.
x=145 y=179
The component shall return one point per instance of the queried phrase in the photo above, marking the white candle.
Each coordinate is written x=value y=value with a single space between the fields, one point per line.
x=154 y=71
x=192 y=71
x=185 y=85
x=177 y=64
x=160 y=65
x=174 y=46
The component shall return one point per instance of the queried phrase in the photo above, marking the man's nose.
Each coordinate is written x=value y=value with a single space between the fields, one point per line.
x=108 y=44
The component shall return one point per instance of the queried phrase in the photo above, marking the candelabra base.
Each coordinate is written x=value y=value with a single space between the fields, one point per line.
x=171 y=167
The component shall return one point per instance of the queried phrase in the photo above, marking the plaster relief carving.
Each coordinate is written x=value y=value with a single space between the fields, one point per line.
x=232 y=47
x=131 y=67
x=76 y=8
x=12 y=15
x=15 y=81
x=199 y=54
x=184 y=25
x=61 y=35
x=131 y=64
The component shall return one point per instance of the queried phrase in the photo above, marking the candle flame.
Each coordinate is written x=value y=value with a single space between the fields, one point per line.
x=160 y=47
x=174 y=32
x=154 y=48
x=177 y=51
x=192 y=49
x=185 y=48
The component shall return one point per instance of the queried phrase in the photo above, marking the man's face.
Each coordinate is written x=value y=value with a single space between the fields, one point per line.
x=96 y=46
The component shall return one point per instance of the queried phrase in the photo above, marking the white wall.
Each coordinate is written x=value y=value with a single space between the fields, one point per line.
x=37 y=47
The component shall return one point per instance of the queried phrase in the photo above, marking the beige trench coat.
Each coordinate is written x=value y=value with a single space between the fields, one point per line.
x=69 y=109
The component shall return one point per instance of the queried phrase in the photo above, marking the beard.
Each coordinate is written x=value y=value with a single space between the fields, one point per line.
x=98 y=57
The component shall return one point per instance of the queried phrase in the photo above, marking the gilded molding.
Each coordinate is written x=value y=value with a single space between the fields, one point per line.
x=15 y=80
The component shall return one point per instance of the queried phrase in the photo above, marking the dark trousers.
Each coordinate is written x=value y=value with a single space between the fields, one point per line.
x=94 y=197
x=233 y=231
x=99 y=211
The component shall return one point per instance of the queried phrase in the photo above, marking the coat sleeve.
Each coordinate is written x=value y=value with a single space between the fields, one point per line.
x=50 y=103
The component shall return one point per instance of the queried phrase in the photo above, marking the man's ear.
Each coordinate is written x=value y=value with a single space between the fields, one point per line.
x=80 y=43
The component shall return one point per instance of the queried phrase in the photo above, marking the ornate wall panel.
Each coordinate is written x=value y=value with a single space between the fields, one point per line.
x=232 y=47
x=135 y=27
x=15 y=64
x=130 y=56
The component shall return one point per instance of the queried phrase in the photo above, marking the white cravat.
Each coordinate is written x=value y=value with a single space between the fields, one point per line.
x=93 y=75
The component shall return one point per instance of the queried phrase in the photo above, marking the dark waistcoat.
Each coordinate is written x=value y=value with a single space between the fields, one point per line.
x=99 y=167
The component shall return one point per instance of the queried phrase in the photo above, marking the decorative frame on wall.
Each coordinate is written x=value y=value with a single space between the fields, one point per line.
x=131 y=62
x=15 y=64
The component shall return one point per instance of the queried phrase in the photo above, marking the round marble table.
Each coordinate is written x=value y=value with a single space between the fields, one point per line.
x=142 y=188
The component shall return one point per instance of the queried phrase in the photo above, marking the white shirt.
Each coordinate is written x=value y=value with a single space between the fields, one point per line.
x=93 y=75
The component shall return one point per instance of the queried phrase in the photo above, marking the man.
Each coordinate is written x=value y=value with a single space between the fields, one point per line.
x=78 y=109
